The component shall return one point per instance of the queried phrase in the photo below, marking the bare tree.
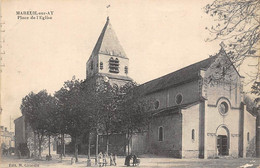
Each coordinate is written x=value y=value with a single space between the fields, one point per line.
x=237 y=26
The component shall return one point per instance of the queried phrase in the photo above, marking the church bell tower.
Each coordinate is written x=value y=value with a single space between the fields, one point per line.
x=108 y=59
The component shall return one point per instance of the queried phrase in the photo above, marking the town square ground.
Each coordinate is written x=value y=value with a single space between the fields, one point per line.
x=146 y=161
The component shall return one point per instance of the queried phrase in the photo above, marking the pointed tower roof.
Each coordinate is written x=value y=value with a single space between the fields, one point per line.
x=108 y=43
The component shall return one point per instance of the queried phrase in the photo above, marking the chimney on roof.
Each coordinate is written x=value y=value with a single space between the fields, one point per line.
x=5 y=128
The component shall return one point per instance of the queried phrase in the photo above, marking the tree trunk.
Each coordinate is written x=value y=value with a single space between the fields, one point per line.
x=107 y=142
x=40 y=146
x=128 y=142
x=76 y=150
x=89 y=161
x=61 y=149
x=89 y=146
x=63 y=145
x=34 y=145
x=96 y=148
x=97 y=145
x=49 y=145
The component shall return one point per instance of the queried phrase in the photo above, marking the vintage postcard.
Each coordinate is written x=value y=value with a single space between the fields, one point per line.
x=121 y=83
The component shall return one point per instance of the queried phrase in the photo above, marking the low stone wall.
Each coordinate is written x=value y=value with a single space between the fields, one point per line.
x=167 y=153
x=190 y=154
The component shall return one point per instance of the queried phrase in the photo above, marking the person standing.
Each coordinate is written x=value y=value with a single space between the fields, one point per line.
x=100 y=157
x=111 y=159
x=127 y=160
x=114 y=159
x=105 y=159
x=134 y=160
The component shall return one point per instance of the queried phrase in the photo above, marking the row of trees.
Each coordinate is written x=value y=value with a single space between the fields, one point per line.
x=83 y=108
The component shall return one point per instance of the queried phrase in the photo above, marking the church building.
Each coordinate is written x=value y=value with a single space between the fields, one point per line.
x=198 y=110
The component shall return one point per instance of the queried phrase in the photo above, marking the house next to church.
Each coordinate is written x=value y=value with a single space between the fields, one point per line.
x=26 y=140
x=196 y=113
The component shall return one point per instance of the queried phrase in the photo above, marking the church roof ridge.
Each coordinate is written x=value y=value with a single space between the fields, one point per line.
x=182 y=75
x=108 y=42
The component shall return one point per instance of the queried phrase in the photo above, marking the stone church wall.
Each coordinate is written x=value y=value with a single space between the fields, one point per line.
x=171 y=145
x=189 y=91
x=94 y=61
x=249 y=134
x=167 y=97
x=190 y=124
x=139 y=143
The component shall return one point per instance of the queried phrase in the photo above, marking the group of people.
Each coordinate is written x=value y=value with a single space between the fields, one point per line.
x=8 y=151
x=134 y=159
x=103 y=159
x=48 y=157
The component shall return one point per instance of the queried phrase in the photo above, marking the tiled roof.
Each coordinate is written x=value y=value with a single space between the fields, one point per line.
x=118 y=77
x=108 y=43
x=173 y=109
x=178 y=77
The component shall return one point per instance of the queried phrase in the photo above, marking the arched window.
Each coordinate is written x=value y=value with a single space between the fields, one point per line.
x=248 y=137
x=160 y=134
x=113 y=65
x=193 y=134
x=126 y=70
x=101 y=65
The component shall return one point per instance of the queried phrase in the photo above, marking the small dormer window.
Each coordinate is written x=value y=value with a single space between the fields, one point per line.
x=113 y=65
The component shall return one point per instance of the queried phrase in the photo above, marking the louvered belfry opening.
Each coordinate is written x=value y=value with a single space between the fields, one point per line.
x=113 y=65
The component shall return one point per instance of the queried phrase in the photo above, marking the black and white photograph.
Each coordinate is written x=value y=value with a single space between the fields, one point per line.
x=130 y=83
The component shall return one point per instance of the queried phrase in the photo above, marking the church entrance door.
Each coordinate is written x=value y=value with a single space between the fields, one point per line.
x=222 y=145
x=223 y=140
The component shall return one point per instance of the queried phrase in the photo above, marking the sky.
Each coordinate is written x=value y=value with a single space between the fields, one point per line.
x=158 y=37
